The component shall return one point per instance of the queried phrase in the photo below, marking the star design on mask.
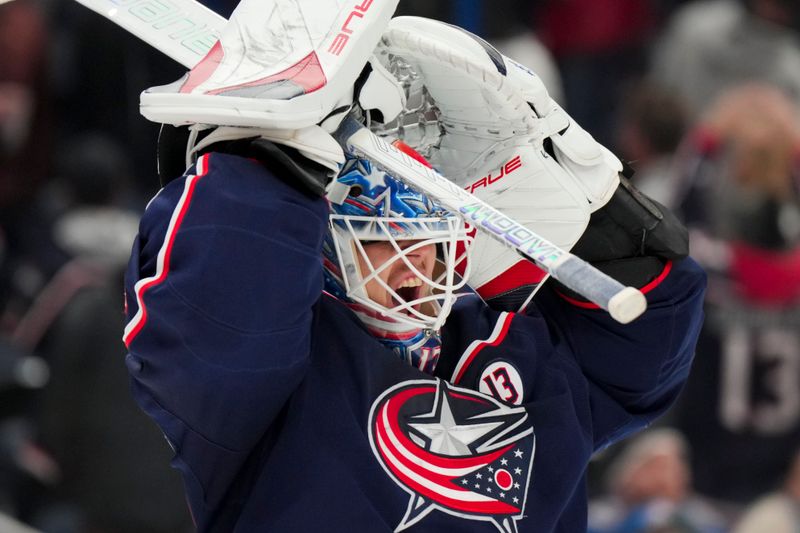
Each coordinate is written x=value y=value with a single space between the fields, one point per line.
x=374 y=177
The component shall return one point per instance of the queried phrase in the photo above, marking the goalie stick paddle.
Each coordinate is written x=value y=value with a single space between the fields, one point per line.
x=185 y=30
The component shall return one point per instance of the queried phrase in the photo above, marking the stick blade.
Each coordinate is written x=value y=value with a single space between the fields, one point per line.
x=184 y=30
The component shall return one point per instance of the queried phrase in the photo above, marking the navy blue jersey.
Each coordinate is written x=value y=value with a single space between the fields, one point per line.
x=286 y=415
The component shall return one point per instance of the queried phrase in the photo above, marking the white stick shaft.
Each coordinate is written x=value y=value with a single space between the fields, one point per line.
x=185 y=30
x=623 y=303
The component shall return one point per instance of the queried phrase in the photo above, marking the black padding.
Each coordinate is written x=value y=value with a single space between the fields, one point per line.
x=631 y=238
x=511 y=301
x=285 y=163
x=291 y=166
x=632 y=225
x=171 y=152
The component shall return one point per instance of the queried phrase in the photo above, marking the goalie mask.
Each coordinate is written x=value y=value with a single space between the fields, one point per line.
x=391 y=254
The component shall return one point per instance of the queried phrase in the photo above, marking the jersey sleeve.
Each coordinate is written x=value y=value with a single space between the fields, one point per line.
x=219 y=294
x=636 y=371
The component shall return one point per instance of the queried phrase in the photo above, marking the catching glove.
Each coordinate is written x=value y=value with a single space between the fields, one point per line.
x=488 y=123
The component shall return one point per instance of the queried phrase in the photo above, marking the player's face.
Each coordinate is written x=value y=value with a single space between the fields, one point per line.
x=397 y=275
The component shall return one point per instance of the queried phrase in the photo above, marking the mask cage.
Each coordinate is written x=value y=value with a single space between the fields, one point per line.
x=431 y=308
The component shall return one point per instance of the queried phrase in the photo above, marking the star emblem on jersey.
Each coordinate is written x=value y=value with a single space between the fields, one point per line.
x=454 y=450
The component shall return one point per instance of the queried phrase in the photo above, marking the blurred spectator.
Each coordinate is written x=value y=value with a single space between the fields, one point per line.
x=739 y=196
x=598 y=45
x=711 y=45
x=24 y=467
x=650 y=487
x=24 y=112
x=91 y=225
x=112 y=458
x=652 y=122
x=25 y=150
x=778 y=512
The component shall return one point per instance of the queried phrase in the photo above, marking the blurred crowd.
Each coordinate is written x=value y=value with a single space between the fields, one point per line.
x=700 y=97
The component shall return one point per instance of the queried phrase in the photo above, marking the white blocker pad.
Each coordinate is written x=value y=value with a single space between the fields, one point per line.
x=280 y=64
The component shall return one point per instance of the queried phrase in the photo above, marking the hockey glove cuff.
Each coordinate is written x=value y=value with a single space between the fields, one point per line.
x=631 y=238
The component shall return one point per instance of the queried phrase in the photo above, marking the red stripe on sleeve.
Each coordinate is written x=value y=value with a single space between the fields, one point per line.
x=647 y=288
x=504 y=322
x=162 y=268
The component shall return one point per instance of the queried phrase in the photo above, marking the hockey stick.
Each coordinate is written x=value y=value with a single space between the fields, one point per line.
x=623 y=303
x=185 y=30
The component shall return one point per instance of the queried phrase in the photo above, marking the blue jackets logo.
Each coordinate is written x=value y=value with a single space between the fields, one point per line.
x=454 y=450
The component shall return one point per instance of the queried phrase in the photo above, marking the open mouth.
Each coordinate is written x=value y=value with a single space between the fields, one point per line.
x=409 y=290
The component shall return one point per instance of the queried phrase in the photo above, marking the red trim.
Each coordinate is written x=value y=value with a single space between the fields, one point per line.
x=578 y=303
x=521 y=273
x=644 y=290
x=204 y=69
x=469 y=398
x=413 y=154
x=307 y=73
x=659 y=279
x=358 y=204
x=768 y=278
x=392 y=410
x=491 y=507
x=461 y=266
x=184 y=203
x=327 y=263
x=471 y=357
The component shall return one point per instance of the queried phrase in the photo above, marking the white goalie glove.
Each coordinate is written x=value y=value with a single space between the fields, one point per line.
x=488 y=123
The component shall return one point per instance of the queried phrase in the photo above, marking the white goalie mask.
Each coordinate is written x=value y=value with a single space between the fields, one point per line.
x=392 y=254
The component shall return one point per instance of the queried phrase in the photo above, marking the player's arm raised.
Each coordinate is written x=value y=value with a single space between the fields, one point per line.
x=219 y=291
